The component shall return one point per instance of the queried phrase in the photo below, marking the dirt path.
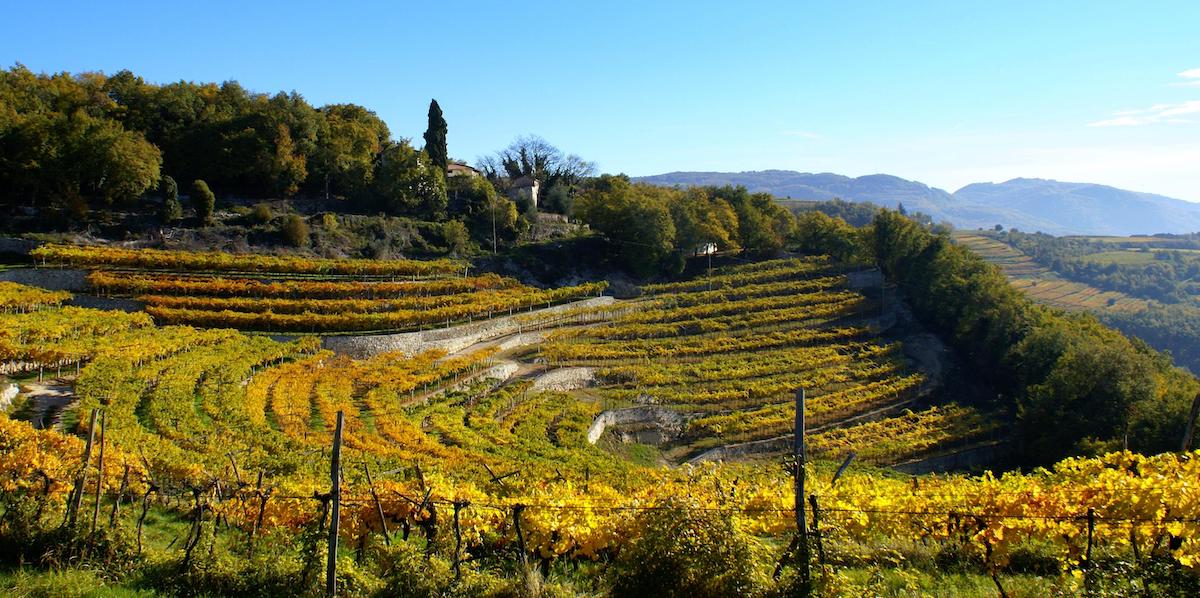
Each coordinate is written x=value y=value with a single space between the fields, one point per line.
x=48 y=401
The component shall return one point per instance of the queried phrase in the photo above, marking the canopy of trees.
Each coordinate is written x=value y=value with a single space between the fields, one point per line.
x=558 y=174
x=652 y=228
x=98 y=138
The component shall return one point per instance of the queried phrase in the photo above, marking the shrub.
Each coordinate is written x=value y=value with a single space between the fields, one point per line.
x=169 y=188
x=172 y=211
x=262 y=213
x=204 y=201
x=682 y=551
x=329 y=221
x=295 y=231
x=458 y=240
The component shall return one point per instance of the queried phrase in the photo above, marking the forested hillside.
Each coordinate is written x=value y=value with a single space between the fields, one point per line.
x=1143 y=286
x=110 y=139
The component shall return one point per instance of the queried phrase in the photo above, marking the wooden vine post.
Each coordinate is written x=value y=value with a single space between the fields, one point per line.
x=100 y=473
x=387 y=539
x=335 y=497
x=816 y=528
x=81 y=479
x=458 y=507
x=517 y=510
x=800 y=455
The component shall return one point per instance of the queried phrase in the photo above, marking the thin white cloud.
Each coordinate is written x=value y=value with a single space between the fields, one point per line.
x=1192 y=77
x=1156 y=114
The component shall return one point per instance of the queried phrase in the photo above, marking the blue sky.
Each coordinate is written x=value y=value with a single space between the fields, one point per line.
x=945 y=93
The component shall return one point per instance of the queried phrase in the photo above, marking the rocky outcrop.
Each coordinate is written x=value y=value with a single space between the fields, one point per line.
x=7 y=394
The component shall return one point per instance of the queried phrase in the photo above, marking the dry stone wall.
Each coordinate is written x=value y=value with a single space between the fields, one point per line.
x=454 y=338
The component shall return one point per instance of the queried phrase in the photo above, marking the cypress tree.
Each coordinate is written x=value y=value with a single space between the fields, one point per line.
x=204 y=201
x=171 y=209
x=435 y=137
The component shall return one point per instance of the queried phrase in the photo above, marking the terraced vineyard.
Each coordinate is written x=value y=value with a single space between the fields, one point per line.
x=1041 y=284
x=302 y=295
x=194 y=416
x=728 y=352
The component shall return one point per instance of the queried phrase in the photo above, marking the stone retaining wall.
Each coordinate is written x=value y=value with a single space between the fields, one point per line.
x=53 y=279
x=452 y=339
x=17 y=246
x=669 y=422
x=565 y=379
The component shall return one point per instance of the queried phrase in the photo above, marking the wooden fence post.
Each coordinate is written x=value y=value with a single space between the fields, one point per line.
x=335 y=495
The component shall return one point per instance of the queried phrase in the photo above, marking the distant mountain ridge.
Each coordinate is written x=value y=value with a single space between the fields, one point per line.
x=1048 y=206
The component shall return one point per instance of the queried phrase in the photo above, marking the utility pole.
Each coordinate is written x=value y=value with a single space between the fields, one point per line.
x=492 y=203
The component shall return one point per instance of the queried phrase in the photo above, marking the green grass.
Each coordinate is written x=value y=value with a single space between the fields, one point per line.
x=65 y=583
x=1124 y=258
x=904 y=581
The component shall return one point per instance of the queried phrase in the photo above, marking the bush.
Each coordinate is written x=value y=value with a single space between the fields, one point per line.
x=204 y=201
x=455 y=234
x=172 y=211
x=169 y=188
x=682 y=551
x=329 y=221
x=295 y=231
x=262 y=213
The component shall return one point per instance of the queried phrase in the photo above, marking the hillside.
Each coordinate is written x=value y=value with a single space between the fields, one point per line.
x=1027 y=204
x=1084 y=208
x=549 y=445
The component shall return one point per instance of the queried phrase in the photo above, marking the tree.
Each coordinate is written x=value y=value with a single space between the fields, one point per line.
x=819 y=233
x=172 y=211
x=634 y=218
x=559 y=174
x=203 y=201
x=349 y=141
x=455 y=234
x=701 y=219
x=168 y=188
x=435 y=137
x=763 y=225
x=408 y=183
x=492 y=220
